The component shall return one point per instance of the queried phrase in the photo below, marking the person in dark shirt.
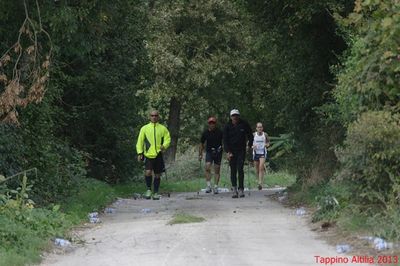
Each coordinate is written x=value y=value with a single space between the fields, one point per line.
x=236 y=133
x=213 y=137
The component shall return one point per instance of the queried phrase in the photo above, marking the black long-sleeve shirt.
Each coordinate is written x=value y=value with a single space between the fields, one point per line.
x=235 y=136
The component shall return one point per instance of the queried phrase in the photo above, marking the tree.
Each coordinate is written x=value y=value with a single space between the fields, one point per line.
x=24 y=67
x=193 y=46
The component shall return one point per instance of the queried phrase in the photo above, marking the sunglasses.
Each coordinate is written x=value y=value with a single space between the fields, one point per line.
x=211 y=122
x=153 y=115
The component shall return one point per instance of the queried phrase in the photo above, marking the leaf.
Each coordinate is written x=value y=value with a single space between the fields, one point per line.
x=56 y=208
x=387 y=22
x=388 y=54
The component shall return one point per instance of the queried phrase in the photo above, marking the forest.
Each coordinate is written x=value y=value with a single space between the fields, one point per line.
x=78 y=79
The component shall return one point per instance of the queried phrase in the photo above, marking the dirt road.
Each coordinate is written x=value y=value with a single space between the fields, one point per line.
x=254 y=230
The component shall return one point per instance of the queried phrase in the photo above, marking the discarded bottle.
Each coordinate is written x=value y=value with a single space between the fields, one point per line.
x=343 y=248
x=61 y=242
x=282 y=198
x=93 y=215
x=146 y=210
x=383 y=245
x=378 y=240
x=94 y=220
x=300 y=211
x=109 y=210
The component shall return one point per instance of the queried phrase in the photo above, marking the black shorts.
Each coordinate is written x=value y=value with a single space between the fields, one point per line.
x=155 y=164
x=214 y=157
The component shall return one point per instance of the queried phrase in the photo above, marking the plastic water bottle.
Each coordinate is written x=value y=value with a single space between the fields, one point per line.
x=109 y=210
x=378 y=240
x=95 y=220
x=146 y=210
x=93 y=215
x=61 y=242
x=282 y=198
x=343 y=248
x=300 y=211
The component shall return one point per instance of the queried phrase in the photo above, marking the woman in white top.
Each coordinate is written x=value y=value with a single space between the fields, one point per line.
x=260 y=145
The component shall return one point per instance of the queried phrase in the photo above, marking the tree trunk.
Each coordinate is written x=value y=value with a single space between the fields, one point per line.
x=173 y=127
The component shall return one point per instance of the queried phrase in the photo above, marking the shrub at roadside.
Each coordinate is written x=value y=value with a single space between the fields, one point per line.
x=371 y=158
x=26 y=231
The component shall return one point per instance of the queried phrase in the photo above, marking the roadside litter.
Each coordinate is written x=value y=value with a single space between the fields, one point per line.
x=94 y=217
x=381 y=244
x=62 y=242
x=343 y=248
x=300 y=211
x=110 y=210
x=220 y=189
x=146 y=210
x=282 y=198
x=378 y=243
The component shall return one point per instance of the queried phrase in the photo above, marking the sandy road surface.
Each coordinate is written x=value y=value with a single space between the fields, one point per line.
x=254 y=230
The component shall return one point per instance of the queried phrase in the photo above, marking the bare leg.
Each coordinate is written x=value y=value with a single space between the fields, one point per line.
x=217 y=173
x=257 y=166
x=261 y=171
x=208 y=171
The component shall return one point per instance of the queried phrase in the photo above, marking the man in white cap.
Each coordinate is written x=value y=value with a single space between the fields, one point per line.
x=237 y=133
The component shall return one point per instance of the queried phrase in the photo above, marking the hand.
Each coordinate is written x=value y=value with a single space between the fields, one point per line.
x=254 y=147
x=200 y=157
x=267 y=145
x=162 y=148
x=140 y=157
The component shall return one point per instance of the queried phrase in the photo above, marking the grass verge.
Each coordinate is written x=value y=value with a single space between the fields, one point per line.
x=184 y=218
x=335 y=203
x=25 y=232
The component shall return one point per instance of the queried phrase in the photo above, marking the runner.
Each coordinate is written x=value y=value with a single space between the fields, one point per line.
x=153 y=140
x=213 y=137
x=235 y=134
x=260 y=145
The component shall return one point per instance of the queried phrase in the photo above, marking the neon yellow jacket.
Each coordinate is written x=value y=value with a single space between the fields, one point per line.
x=151 y=137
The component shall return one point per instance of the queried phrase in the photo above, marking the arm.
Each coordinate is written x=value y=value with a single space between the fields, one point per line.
x=201 y=147
x=201 y=150
x=227 y=147
x=267 y=142
x=139 y=144
x=167 y=140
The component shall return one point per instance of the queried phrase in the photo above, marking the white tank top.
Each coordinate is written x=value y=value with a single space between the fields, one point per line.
x=259 y=141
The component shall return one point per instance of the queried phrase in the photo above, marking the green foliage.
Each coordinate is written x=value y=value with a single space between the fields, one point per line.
x=93 y=195
x=99 y=72
x=25 y=230
x=369 y=79
x=11 y=149
x=371 y=156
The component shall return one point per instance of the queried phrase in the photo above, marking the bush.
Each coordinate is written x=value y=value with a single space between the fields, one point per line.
x=371 y=156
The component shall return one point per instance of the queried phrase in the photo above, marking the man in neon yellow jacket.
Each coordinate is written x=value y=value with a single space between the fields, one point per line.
x=153 y=140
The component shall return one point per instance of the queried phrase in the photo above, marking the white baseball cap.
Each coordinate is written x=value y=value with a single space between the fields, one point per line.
x=235 y=112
